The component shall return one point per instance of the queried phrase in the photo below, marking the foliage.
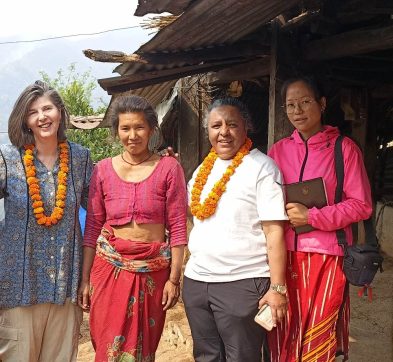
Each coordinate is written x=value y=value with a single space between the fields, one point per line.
x=98 y=140
x=76 y=89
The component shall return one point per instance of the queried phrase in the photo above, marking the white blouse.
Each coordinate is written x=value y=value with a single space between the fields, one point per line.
x=231 y=245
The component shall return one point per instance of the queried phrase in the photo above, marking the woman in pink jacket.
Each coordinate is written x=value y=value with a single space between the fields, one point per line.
x=317 y=328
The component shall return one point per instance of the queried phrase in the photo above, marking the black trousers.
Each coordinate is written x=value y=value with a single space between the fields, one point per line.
x=221 y=317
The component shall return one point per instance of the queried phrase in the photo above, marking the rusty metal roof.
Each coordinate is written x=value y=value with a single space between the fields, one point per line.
x=211 y=22
x=154 y=94
x=206 y=24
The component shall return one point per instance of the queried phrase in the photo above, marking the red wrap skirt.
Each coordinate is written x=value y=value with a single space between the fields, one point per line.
x=126 y=314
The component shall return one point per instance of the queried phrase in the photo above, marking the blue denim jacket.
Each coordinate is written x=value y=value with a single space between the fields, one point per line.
x=40 y=264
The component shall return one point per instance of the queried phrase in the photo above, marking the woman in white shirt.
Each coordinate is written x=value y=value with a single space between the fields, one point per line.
x=238 y=256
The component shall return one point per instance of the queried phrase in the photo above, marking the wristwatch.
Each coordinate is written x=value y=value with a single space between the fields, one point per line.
x=281 y=289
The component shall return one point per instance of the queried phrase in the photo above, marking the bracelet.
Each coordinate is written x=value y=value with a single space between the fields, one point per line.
x=175 y=284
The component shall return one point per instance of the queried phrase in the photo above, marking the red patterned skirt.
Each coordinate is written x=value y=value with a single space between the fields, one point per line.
x=317 y=324
x=126 y=314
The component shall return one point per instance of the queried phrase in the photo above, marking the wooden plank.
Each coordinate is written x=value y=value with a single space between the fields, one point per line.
x=272 y=86
x=247 y=71
x=357 y=99
x=140 y=80
x=113 y=56
x=300 y=19
x=243 y=49
x=383 y=92
x=236 y=50
x=349 y=43
x=278 y=126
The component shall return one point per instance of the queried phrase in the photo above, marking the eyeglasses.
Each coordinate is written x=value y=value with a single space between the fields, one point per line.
x=304 y=105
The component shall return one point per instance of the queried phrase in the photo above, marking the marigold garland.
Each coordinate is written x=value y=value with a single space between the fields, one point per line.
x=208 y=207
x=34 y=186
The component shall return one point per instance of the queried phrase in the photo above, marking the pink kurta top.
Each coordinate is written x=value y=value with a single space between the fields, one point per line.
x=299 y=160
x=161 y=198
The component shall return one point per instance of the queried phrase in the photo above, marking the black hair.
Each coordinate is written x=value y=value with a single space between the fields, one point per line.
x=309 y=80
x=132 y=104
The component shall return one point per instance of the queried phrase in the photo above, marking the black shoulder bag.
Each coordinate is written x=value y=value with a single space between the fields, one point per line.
x=361 y=262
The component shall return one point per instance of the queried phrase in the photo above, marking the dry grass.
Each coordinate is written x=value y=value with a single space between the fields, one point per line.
x=158 y=23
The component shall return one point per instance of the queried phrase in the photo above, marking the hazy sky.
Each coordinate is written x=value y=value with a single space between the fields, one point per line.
x=25 y=19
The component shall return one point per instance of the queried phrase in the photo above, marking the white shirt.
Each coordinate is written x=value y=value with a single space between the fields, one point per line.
x=230 y=245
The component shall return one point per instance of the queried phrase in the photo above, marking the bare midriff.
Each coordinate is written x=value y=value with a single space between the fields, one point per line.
x=140 y=232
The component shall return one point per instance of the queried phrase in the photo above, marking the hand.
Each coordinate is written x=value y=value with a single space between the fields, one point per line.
x=170 y=295
x=169 y=152
x=84 y=296
x=278 y=304
x=297 y=214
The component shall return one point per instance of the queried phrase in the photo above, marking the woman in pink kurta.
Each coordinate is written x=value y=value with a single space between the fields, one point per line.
x=135 y=199
x=318 y=324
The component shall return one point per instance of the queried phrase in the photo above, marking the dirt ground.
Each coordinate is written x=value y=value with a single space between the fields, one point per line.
x=371 y=336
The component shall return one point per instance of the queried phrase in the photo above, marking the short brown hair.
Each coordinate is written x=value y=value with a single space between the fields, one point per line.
x=18 y=132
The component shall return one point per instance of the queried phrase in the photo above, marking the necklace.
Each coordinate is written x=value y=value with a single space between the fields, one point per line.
x=138 y=163
x=208 y=207
x=34 y=186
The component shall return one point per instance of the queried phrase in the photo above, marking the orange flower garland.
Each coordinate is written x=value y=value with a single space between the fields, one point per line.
x=208 y=207
x=34 y=186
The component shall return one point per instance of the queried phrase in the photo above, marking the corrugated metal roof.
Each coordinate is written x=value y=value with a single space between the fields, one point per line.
x=212 y=22
x=154 y=94
x=175 y=7
x=143 y=79
x=204 y=24
x=208 y=23
x=86 y=122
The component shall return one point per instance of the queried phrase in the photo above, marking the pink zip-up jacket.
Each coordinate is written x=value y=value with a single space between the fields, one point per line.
x=300 y=161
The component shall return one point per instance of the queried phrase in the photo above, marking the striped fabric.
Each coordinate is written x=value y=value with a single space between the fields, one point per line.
x=316 y=328
x=108 y=252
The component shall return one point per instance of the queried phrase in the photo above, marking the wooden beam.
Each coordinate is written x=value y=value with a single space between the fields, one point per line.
x=246 y=71
x=357 y=100
x=383 y=92
x=271 y=137
x=133 y=81
x=350 y=43
x=113 y=56
x=282 y=56
x=300 y=19
x=237 y=50
x=379 y=7
x=243 y=49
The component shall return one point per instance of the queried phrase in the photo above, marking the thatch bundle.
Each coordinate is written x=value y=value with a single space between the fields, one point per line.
x=158 y=22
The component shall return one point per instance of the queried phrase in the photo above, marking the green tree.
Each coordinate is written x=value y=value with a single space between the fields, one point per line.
x=76 y=89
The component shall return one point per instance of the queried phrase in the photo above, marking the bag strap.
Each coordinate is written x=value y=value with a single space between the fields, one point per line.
x=339 y=166
x=371 y=238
